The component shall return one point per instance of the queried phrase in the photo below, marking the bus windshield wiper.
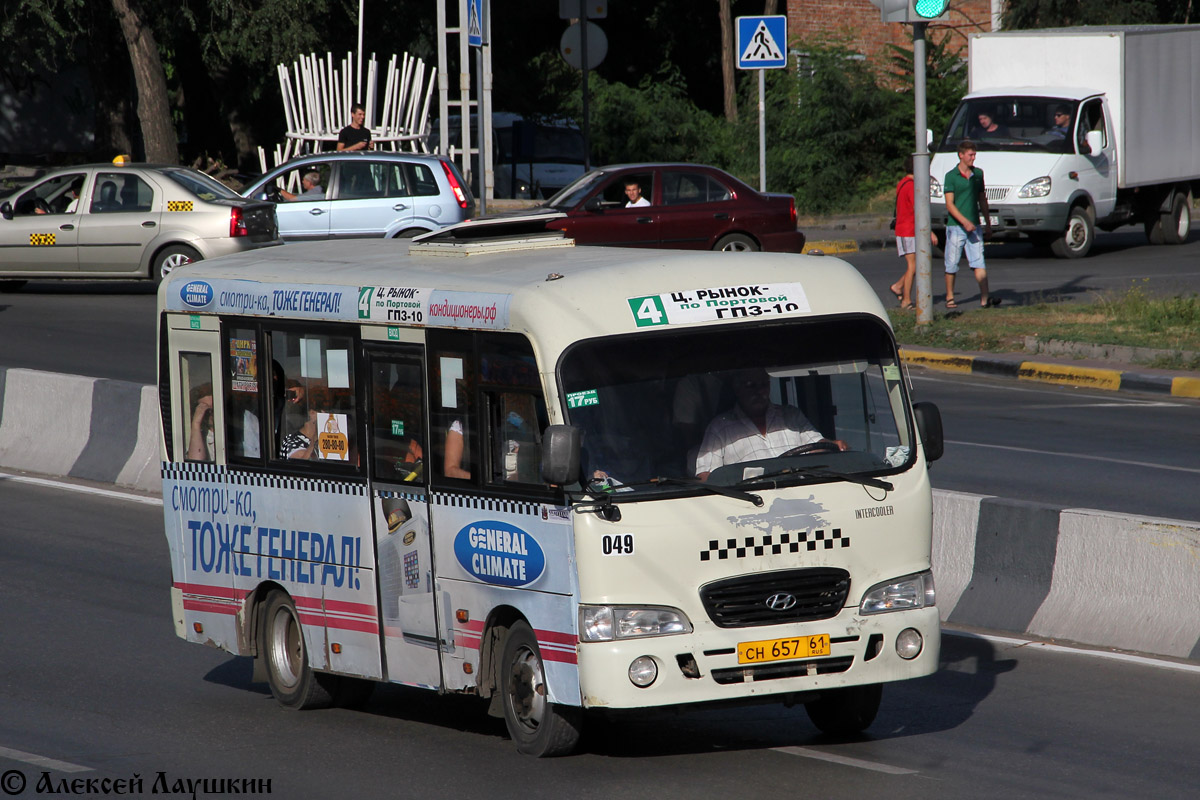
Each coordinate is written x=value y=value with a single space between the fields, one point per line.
x=817 y=472
x=727 y=491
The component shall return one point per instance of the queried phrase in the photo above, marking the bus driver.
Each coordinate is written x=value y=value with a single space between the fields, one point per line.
x=755 y=428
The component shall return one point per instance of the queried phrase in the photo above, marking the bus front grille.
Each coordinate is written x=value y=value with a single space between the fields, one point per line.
x=782 y=669
x=775 y=598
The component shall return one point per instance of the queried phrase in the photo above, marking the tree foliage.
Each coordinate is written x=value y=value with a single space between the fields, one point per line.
x=1065 y=13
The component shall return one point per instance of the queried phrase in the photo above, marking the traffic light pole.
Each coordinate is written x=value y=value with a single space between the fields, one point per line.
x=924 y=279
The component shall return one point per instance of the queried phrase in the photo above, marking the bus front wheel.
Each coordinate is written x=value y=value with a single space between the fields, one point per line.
x=846 y=711
x=289 y=675
x=537 y=726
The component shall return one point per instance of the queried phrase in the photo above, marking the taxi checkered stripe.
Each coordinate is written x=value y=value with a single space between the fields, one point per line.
x=486 y=504
x=39 y=239
x=769 y=545
x=419 y=498
x=179 y=205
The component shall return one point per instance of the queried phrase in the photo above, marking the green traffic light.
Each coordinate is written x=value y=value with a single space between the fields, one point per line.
x=930 y=9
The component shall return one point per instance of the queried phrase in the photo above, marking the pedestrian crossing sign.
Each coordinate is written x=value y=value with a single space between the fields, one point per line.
x=474 y=23
x=762 y=42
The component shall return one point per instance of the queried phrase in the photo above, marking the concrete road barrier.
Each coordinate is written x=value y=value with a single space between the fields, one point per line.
x=1092 y=577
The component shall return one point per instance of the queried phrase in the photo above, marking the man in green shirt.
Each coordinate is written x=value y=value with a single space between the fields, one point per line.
x=966 y=205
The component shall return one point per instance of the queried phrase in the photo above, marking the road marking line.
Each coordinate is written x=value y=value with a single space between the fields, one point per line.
x=41 y=761
x=75 y=487
x=859 y=763
x=1149 y=661
x=1083 y=456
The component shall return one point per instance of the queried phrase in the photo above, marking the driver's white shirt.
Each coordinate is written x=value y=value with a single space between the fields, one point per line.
x=732 y=438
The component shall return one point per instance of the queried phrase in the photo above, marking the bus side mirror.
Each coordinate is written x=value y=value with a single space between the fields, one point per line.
x=929 y=423
x=6 y=210
x=560 y=454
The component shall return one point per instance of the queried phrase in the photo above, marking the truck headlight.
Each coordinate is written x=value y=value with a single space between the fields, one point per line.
x=1038 y=187
x=902 y=594
x=935 y=189
x=605 y=623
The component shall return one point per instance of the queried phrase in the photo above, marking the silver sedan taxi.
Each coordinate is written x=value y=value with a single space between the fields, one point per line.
x=124 y=220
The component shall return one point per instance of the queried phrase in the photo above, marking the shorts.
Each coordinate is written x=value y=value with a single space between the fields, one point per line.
x=958 y=240
x=906 y=245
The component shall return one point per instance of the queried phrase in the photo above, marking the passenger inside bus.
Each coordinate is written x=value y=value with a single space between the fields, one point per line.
x=299 y=424
x=201 y=439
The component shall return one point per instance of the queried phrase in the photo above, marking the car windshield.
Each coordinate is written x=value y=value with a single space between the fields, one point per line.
x=663 y=409
x=204 y=187
x=569 y=196
x=1039 y=124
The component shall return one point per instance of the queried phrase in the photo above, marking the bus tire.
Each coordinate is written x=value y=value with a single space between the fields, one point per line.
x=847 y=711
x=538 y=727
x=292 y=681
x=737 y=243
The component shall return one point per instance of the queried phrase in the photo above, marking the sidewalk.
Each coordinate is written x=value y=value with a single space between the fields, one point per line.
x=848 y=233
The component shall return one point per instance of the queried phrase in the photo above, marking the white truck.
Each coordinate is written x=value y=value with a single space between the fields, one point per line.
x=1126 y=104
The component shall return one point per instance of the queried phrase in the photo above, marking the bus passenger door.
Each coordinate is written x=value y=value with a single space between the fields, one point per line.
x=204 y=602
x=400 y=501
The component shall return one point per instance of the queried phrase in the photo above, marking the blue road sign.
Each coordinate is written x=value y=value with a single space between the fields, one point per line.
x=762 y=42
x=475 y=23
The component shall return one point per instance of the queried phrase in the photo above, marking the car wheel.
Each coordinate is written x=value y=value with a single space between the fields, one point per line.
x=11 y=286
x=846 y=711
x=171 y=257
x=1079 y=236
x=737 y=243
x=537 y=726
x=409 y=233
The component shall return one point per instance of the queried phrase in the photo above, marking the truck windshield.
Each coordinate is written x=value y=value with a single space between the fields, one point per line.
x=1040 y=124
x=670 y=406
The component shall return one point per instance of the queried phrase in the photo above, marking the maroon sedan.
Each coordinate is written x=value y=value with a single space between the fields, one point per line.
x=680 y=206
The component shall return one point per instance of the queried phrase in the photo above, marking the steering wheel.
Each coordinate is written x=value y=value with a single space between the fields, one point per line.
x=822 y=446
x=41 y=206
x=272 y=193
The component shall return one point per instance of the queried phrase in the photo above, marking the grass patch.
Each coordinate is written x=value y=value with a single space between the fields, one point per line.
x=1132 y=318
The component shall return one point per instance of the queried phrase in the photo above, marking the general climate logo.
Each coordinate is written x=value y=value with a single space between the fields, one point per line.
x=196 y=294
x=499 y=553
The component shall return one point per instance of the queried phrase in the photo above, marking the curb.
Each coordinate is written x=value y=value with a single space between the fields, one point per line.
x=1105 y=379
x=1008 y=565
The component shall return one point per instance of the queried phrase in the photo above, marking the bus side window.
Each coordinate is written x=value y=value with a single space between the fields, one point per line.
x=315 y=417
x=195 y=372
x=452 y=385
x=243 y=407
x=398 y=421
x=516 y=421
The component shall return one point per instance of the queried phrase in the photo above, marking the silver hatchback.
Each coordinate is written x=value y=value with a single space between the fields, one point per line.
x=360 y=194
x=124 y=220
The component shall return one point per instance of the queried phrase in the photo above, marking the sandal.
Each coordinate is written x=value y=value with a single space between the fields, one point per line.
x=992 y=302
x=951 y=304
x=899 y=295
x=906 y=306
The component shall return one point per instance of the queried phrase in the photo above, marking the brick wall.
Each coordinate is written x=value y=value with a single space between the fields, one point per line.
x=858 y=21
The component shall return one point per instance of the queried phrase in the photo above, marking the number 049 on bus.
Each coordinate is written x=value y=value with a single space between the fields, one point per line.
x=780 y=649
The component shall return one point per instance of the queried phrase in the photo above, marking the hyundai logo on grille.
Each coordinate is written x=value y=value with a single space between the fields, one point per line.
x=781 y=601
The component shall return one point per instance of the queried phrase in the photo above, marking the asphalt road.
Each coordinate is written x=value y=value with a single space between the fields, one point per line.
x=94 y=679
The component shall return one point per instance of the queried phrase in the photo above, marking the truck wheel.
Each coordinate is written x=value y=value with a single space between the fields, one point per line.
x=1154 y=229
x=1177 y=223
x=1079 y=236
x=847 y=711
x=537 y=726
x=292 y=681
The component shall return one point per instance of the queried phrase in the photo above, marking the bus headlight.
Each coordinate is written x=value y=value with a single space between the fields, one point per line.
x=605 y=623
x=1038 y=187
x=902 y=594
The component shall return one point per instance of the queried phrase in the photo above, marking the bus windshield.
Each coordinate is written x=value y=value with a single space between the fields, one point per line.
x=1014 y=124
x=689 y=405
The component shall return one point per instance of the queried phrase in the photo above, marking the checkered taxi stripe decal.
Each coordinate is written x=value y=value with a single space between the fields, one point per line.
x=774 y=546
x=212 y=473
x=41 y=239
x=179 y=205
x=485 y=503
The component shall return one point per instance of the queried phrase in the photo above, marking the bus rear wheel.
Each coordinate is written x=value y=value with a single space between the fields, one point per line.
x=847 y=711
x=292 y=681
x=537 y=726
